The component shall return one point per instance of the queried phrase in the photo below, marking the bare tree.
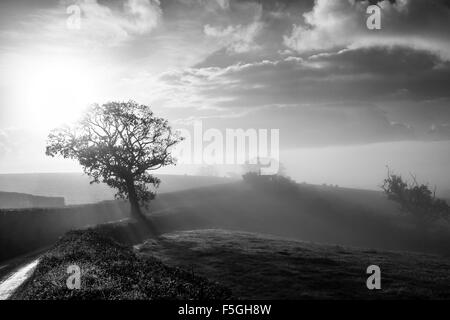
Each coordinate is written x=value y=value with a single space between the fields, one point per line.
x=118 y=143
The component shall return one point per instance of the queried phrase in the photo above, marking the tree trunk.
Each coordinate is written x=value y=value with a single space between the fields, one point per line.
x=136 y=211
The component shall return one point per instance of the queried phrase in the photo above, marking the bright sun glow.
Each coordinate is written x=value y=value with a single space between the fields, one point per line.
x=52 y=91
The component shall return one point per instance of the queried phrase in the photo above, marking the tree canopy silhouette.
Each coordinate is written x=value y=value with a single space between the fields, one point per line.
x=118 y=143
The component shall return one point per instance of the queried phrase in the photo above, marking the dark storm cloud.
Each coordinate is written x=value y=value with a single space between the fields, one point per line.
x=390 y=72
x=352 y=75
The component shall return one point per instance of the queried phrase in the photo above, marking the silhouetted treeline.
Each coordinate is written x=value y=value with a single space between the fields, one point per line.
x=25 y=230
x=276 y=183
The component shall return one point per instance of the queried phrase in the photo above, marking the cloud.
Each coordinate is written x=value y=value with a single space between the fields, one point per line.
x=224 y=4
x=135 y=17
x=374 y=74
x=239 y=38
x=334 y=25
x=86 y=23
x=141 y=16
x=208 y=5
x=356 y=95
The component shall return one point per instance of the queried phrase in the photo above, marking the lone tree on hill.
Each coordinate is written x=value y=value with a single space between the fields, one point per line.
x=118 y=143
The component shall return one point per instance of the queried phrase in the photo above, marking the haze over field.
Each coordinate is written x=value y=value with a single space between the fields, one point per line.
x=75 y=187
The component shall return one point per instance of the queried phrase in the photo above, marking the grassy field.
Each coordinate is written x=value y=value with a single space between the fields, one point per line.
x=262 y=267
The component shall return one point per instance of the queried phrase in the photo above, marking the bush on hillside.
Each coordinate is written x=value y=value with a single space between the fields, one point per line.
x=416 y=199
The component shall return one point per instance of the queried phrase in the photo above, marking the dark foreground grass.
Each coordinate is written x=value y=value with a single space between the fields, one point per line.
x=262 y=267
x=110 y=270
x=176 y=266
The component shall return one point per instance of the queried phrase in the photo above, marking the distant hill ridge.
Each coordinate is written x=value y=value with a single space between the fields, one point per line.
x=75 y=187
x=15 y=200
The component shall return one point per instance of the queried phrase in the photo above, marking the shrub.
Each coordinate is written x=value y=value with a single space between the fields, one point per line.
x=416 y=199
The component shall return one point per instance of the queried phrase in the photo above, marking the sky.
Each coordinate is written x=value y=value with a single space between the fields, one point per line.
x=347 y=100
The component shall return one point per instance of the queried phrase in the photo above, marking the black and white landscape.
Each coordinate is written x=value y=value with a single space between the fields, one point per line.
x=220 y=150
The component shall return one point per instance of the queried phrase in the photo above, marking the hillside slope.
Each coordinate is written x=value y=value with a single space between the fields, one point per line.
x=258 y=266
x=312 y=213
x=320 y=214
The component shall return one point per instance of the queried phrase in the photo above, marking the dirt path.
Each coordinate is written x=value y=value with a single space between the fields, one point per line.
x=15 y=271
x=17 y=277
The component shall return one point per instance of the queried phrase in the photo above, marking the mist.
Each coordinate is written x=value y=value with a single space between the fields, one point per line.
x=364 y=166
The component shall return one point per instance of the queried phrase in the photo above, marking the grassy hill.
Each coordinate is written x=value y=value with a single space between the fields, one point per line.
x=258 y=266
x=313 y=213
